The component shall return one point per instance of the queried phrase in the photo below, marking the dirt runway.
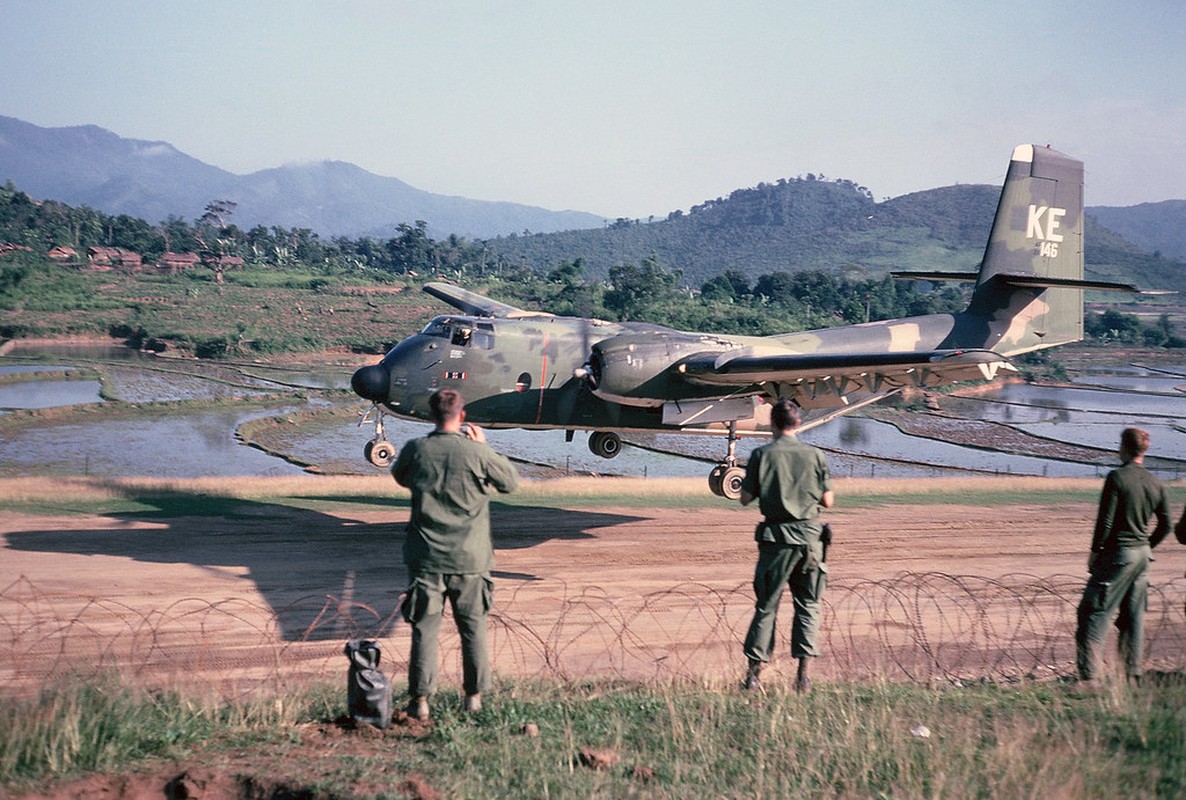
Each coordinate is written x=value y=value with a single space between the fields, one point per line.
x=255 y=593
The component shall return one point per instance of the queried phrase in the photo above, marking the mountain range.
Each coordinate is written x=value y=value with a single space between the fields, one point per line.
x=800 y=223
x=88 y=165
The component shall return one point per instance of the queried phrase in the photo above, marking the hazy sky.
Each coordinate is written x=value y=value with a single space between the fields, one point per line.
x=621 y=108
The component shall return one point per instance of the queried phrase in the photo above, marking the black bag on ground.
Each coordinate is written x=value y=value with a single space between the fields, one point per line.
x=368 y=692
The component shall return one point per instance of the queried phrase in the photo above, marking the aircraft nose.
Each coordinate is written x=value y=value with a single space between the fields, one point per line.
x=371 y=383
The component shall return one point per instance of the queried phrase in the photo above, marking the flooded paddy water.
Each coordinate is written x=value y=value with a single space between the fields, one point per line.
x=169 y=417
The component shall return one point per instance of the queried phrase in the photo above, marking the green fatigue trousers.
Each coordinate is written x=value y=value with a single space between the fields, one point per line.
x=779 y=566
x=1119 y=580
x=423 y=606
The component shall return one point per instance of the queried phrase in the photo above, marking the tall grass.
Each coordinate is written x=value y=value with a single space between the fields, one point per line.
x=840 y=741
x=89 y=725
x=670 y=740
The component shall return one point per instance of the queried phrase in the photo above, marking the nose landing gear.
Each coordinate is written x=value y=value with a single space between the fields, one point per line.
x=378 y=450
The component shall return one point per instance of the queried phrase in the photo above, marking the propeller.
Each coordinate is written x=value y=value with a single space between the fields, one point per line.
x=589 y=372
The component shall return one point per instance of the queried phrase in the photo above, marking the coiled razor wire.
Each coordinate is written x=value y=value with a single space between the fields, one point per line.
x=917 y=627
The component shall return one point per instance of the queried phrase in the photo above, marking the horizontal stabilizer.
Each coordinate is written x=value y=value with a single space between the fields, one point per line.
x=1072 y=283
x=1018 y=279
x=908 y=275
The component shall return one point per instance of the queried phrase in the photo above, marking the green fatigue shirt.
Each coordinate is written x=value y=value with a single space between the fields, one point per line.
x=1131 y=495
x=789 y=479
x=451 y=477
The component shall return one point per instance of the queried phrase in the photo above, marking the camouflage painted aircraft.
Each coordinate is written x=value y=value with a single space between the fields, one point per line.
x=525 y=369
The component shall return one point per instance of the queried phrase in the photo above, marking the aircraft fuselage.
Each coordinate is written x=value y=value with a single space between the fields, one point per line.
x=549 y=372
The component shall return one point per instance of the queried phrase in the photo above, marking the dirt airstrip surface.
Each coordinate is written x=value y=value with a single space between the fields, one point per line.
x=254 y=590
x=250 y=595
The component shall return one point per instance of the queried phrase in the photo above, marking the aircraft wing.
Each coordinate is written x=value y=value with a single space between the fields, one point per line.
x=474 y=304
x=818 y=379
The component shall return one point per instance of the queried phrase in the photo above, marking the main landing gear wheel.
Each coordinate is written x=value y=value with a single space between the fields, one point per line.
x=725 y=481
x=726 y=477
x=379 y=452
x=606 y=444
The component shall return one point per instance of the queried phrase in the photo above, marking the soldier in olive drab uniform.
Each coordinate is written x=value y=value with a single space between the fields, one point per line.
x=790 y=480
x=1119 y=559
x=448 y=550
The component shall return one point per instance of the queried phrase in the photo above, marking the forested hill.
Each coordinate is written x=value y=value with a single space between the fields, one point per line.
x=1159 y=227
x=809 y=223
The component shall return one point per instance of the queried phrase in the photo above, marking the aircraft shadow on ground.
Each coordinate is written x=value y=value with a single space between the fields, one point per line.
x=324 y=576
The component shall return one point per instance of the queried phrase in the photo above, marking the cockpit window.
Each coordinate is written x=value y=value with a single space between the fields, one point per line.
x=461 y=333
x=438 y=327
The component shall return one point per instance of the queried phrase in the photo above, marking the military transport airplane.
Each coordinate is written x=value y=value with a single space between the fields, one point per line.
x=526 y=369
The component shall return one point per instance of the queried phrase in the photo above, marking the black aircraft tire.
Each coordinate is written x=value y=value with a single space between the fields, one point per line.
x=380 y=453
x=715 y=484
x=731 y=480
x=606 y=444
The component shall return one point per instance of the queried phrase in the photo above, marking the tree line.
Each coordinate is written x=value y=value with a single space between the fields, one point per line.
x=730 y=302
x=47 y=224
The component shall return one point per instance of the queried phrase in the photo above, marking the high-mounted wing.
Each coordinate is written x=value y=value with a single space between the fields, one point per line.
x=818 y=380
x=476 y=305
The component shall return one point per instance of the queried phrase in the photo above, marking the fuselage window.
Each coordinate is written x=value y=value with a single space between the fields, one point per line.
x=461 y=336
x=483 y=336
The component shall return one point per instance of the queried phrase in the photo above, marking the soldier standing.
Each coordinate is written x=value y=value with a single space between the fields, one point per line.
x=448 y=550
x=790 y=481
x=1119 y=560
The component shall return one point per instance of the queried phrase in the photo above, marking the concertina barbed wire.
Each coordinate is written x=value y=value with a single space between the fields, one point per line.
x=916 y=627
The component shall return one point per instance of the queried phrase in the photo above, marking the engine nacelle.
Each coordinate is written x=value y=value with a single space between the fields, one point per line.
x=638 y=369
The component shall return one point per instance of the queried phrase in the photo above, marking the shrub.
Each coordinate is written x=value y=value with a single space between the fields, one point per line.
x=218 y=347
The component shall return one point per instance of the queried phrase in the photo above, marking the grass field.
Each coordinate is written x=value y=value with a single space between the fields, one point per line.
x=621 y=740
x=253 y=312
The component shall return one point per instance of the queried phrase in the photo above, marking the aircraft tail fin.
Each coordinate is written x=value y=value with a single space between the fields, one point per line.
x=1030 y=286
x=1029 y=290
